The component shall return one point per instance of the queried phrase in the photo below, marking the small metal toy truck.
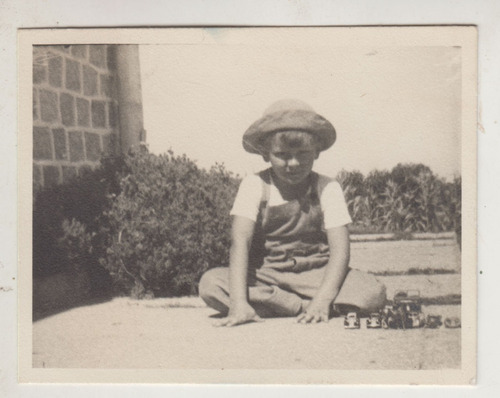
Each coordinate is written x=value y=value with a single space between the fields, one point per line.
x=452 y=322
x=374 y=321
x=351 y=321
x=433 y=321
x=405 y=313
x=416 y=319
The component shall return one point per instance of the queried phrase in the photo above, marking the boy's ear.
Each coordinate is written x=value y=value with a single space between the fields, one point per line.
x=265 y=156
x=317 y=154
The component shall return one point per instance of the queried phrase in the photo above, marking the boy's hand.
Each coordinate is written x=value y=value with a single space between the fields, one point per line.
x=238 y=315
x=317 y=311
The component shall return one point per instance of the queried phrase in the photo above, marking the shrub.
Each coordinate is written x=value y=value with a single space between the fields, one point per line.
x=169 y=224
x=157 y=223
x=67 y=220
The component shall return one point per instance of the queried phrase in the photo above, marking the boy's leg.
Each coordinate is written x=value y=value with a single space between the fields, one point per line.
x=213 y=289
x=267 y=300
x=360 y=290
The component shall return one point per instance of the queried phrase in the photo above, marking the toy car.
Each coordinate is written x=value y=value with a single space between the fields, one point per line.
x=351 y=321
x=433 y=321
x=387 y=317
x=410 y=300
x=415 y=319
x=452 y=322
x=374 y=321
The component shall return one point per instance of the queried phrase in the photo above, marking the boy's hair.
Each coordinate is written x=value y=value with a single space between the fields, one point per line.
x=292 y=138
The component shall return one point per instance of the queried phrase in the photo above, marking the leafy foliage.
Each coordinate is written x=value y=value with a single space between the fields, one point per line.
x=67 y=219
x=151 y=225
x=169 y=224
x=409 y=198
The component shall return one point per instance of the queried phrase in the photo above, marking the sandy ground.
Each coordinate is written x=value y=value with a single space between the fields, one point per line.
x=401 y=256
x=179 y=333
x=125 y=333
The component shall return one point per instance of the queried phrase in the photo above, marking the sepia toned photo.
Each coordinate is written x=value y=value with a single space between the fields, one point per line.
x=248 y=205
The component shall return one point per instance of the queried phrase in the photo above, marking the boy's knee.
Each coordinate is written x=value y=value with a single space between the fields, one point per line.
x=378 y=296
x=362 y=290
x=211 y=282
x=374 y=296
x=213 y=289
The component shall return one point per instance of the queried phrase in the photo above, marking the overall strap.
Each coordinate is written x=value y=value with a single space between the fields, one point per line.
x=315 y=184
x=265 y=177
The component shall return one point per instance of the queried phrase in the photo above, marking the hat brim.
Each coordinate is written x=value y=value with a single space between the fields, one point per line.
x=296 y=120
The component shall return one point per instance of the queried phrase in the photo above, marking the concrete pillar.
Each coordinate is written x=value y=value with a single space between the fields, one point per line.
x=129 y=96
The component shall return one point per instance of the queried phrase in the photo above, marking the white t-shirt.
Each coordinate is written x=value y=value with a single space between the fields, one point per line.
x=335 y=213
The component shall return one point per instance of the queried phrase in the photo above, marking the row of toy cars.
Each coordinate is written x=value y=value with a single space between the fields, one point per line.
x=404 y=313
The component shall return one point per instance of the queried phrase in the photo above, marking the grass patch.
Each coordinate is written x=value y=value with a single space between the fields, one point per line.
x=449 y=299
x=416 y=271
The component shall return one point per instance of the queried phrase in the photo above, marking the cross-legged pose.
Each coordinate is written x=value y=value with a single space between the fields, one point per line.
x=290 y=244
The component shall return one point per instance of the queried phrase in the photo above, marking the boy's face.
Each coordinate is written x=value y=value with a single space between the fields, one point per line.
x=292 y=164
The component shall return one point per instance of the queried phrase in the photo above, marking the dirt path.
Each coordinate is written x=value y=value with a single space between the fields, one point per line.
x=124 y=333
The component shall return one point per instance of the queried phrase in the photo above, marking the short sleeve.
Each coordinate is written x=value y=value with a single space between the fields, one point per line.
x=247 y=201
x=335 y=212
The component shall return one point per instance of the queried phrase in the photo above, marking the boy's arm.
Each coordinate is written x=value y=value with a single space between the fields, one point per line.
x=335 y=273
x=240 y=311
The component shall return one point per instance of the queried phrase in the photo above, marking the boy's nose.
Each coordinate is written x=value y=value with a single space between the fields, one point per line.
x=293 y=161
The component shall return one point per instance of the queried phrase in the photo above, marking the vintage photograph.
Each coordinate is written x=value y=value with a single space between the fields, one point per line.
x=249 y=205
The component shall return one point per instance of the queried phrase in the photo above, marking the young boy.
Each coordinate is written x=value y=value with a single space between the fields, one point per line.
x=290 y=245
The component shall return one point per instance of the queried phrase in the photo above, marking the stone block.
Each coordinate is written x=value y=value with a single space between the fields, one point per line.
x=76 y=151
x=85 y=170
x=97 y=55
x=60 y=144
x=83 y=112
x=79 y=50
x=93 y=146
x=111 y=55
x=35 y=104
x=98 y=114
x=89 y=80
x=51 y=176
x=48 y=106
x=55 y=71
x=42 y=144
x=107 y=86
x=69 y=172
x=64 y=48
x=67 y=104
x=37 y=178
x=109 y=144
x=73 y=75
x=113 y=114
x=39 y=73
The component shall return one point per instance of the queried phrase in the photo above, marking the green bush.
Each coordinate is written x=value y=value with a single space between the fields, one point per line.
x=168 y=225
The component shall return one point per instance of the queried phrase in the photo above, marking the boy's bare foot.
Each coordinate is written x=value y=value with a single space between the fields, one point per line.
x=238 y=316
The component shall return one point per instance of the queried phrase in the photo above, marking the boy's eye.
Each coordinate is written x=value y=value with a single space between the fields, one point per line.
x=288 y=155
x=282 y=155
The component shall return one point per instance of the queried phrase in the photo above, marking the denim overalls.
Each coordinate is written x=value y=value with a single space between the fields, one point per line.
x=290 y=237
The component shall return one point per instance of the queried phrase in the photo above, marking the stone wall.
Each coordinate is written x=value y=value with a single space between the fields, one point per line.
x=75 y=110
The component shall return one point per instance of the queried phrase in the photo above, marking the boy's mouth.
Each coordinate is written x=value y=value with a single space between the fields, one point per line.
x=295 y=175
